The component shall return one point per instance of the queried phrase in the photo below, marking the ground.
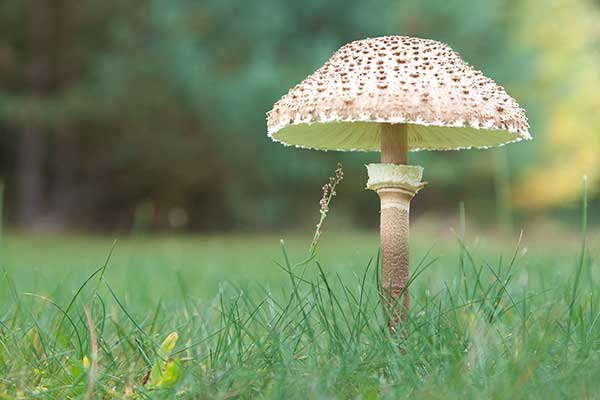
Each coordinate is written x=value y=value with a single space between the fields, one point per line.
x=229 y=317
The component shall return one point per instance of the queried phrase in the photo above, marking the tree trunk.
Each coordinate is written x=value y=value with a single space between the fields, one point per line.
x=65 y=155
x=30 y=157
x=29 y=175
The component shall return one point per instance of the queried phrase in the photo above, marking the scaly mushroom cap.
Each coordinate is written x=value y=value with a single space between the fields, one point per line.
x=396 y=79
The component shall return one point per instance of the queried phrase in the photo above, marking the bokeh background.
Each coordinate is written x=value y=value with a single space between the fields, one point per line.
x=150 y=115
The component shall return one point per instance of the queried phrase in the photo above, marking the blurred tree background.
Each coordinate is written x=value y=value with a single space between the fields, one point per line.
x=130 y=112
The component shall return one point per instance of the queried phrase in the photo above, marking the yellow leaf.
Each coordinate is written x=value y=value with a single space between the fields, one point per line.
x=167 y=345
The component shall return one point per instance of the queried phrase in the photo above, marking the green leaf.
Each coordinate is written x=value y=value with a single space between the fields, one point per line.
x=170 y=375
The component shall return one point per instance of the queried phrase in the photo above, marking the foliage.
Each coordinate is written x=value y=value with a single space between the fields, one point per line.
x=161 y=105
x=566 y=38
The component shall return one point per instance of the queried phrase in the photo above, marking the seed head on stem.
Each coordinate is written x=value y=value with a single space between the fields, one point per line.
x=328 y=193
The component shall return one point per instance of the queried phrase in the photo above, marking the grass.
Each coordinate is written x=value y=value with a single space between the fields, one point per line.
x=238 y=317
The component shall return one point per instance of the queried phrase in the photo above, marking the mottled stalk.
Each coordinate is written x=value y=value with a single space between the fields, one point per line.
x=395 y=208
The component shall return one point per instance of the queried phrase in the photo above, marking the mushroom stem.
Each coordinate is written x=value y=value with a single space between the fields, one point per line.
x=394 y=227
x=395 y=208
x=394 y=143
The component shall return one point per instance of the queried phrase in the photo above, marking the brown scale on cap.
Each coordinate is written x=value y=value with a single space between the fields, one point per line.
x=398 y=79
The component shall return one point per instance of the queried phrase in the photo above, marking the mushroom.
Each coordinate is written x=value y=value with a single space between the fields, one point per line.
x=396 y=94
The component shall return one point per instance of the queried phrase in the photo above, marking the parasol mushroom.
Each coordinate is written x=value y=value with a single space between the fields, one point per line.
x=396 y=94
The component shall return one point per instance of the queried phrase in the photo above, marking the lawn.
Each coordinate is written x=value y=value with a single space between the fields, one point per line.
x=236 y=317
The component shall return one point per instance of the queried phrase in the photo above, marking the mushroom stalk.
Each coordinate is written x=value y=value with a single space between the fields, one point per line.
x=394 y=143
x=394 y=226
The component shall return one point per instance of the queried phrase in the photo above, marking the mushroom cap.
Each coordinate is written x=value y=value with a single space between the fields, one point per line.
x=447 y=104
